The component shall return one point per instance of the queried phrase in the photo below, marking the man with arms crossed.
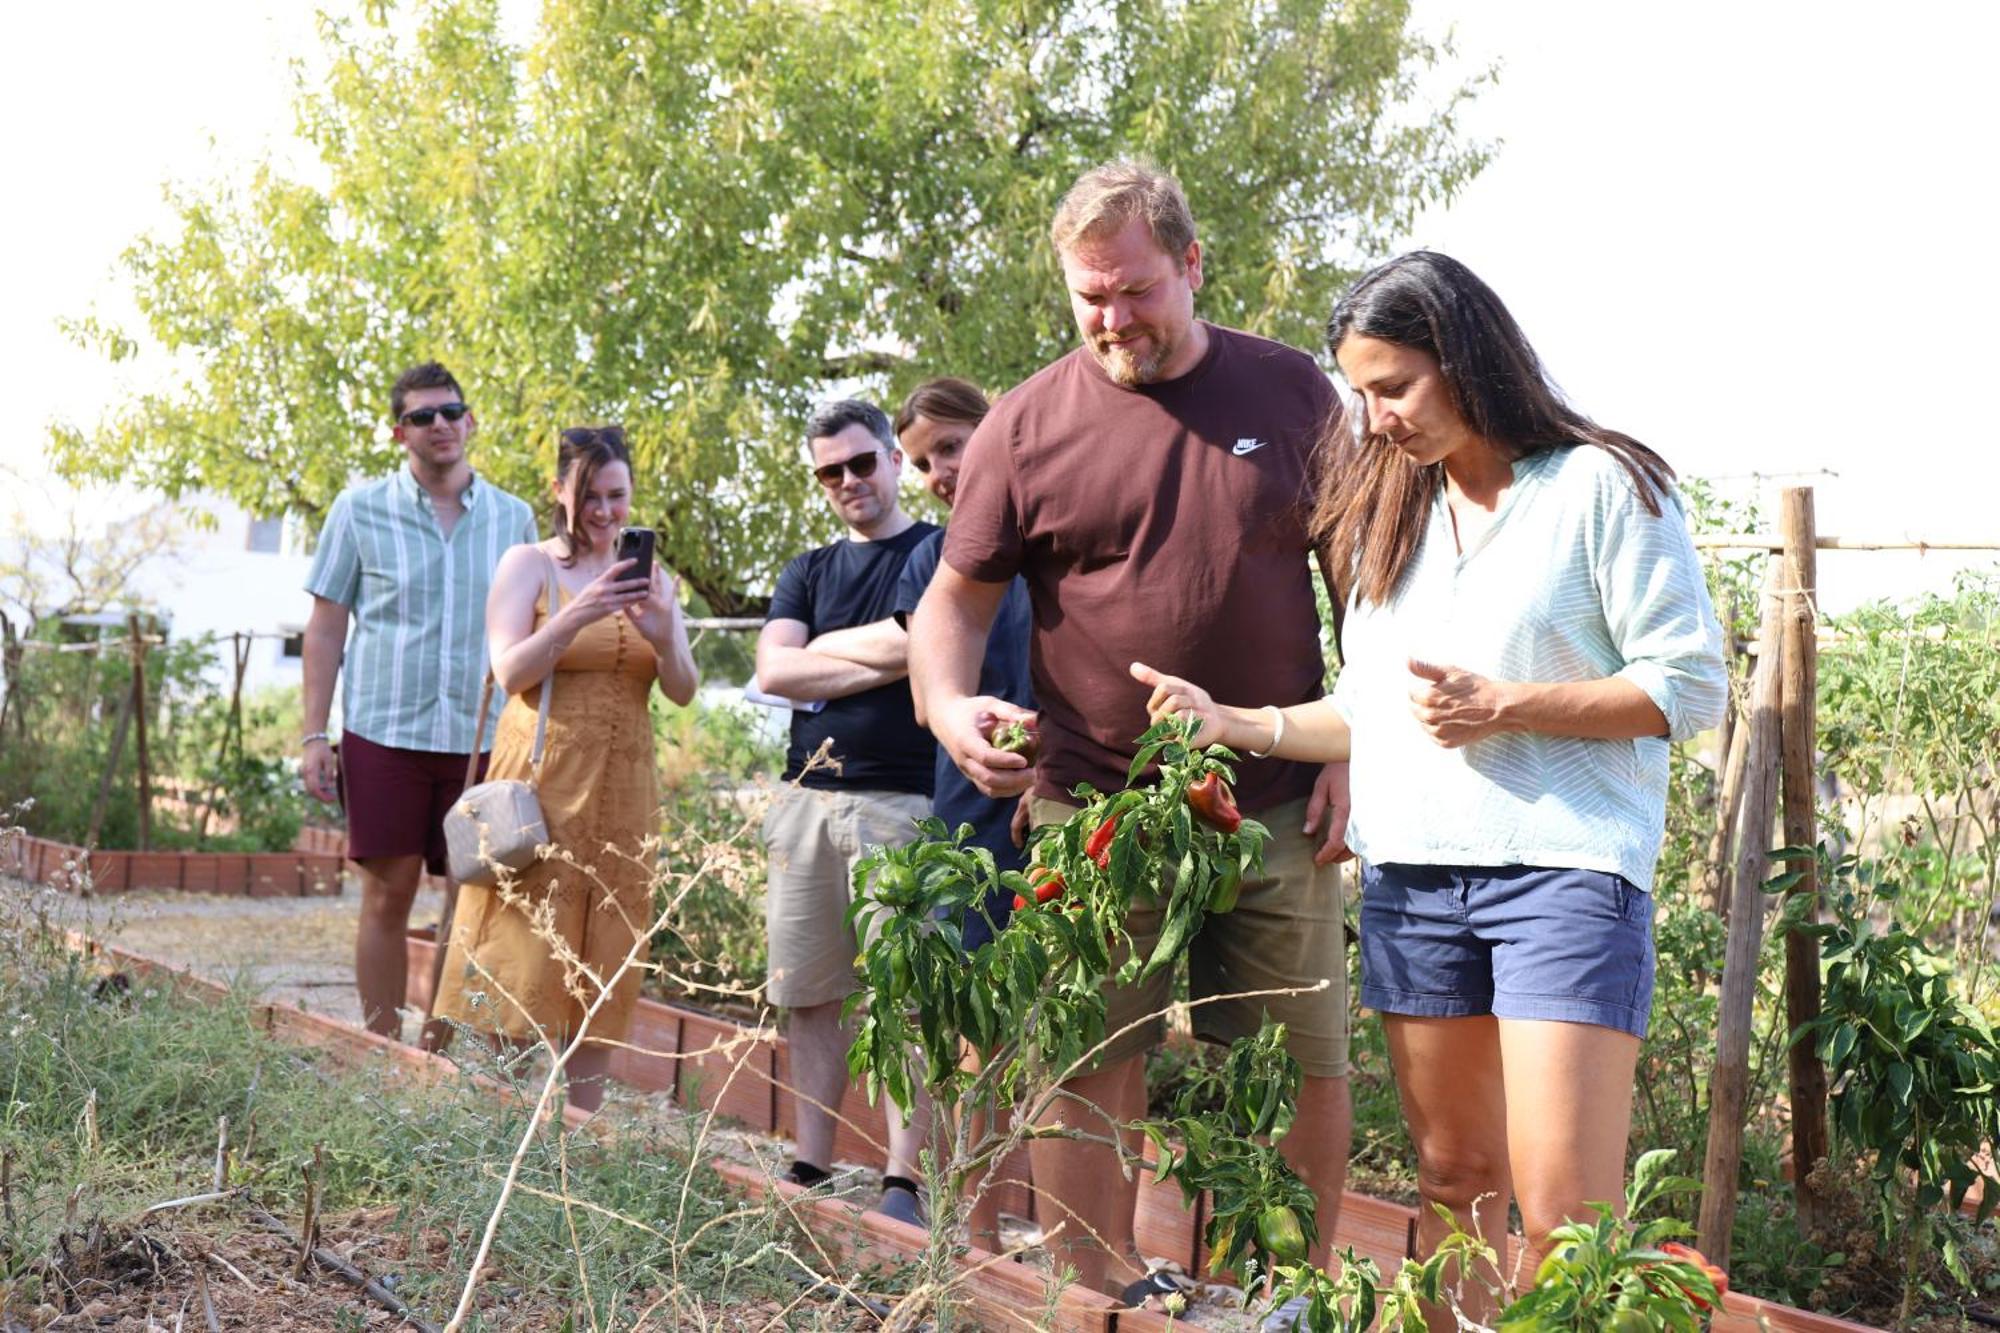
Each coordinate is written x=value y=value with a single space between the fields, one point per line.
x=408 y=560
x=1152 y=488
x=933 y=425
x=870 y=790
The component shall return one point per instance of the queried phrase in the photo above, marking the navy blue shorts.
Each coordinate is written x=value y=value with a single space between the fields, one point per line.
x=1575 y=946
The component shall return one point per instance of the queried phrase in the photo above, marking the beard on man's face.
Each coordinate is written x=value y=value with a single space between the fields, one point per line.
x=1128 y=366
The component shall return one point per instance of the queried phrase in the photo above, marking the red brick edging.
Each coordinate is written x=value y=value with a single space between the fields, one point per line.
x=64 y=866
x=743 y=1073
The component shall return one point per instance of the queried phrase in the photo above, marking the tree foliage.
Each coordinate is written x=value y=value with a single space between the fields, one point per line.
x=697 y=216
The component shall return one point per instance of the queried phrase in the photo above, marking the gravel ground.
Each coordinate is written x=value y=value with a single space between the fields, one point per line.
x=291 y=950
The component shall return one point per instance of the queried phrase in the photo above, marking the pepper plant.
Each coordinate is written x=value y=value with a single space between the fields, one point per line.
x=1611 y=1275
x=1030 y=1001
x=1914 y=1069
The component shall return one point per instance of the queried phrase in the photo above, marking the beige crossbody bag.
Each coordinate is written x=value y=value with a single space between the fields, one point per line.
x=499 y=824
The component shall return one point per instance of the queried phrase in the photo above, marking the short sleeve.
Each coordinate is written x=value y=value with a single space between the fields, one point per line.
x=792 y=600
x=336 y=566
x=916 y=577
x=983 y=541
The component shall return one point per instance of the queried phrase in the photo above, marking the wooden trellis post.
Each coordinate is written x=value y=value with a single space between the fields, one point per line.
x=138 y=642
x=1800 y=681
x=103 y=800
x=1728 y=1087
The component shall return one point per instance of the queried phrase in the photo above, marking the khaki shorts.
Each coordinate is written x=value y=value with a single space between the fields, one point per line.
x=815 y=838
x=1287 y=930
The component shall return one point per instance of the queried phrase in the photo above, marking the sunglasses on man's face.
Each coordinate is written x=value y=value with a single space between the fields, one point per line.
x=861 y=465
x=424 y=416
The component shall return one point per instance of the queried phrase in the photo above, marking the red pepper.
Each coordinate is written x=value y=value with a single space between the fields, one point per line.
x=1098 y=848
x=1688 y=1254
x=1215 y=804
x=1020 y=903
x=1048 y=889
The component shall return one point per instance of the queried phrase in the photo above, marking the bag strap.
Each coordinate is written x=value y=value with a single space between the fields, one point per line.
x=479 y=730
x=541 y=717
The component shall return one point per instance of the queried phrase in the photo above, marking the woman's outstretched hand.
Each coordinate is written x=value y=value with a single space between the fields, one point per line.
x=1455 y=706
x=1174 y=697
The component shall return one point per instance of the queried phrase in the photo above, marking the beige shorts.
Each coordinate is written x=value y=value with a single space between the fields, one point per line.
x=1287 y=930
x=815 y=838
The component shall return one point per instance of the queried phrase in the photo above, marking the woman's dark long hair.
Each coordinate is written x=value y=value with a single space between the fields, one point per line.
x=946 y=398
x=582 y=450
x=1374 y=503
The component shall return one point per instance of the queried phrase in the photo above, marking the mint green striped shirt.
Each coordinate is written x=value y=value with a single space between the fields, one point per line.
x=416 y=651
x=1573 y=581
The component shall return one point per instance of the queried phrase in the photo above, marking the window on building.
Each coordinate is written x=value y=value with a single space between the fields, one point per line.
x=294 y=644
x=267 y=535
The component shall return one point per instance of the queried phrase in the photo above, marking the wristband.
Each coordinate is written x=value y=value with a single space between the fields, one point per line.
x=1277 y=732
x=314 y=736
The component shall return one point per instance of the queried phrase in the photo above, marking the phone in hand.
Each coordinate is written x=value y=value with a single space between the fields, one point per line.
x=637 y=544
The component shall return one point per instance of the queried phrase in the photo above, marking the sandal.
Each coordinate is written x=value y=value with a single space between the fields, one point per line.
x=1155 y=1283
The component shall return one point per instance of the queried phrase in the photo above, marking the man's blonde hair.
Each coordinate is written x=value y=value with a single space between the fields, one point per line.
x=1106 y=198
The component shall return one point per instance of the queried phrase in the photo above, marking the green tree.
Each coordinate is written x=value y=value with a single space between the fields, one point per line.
x=696 y=216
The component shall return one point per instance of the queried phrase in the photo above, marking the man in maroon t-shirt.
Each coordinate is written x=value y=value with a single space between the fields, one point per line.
x=1152 y=487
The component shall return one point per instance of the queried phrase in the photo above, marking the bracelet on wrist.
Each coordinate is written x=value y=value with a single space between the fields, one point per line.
x=1277 y=732
x=312 y=736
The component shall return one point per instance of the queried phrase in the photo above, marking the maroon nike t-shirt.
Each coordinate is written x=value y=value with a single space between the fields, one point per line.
x=1164 y=524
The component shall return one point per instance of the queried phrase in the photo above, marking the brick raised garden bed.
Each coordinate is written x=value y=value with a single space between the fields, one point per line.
x=742 y=1073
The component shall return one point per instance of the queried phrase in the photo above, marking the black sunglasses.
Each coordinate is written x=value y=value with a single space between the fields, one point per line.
x=861 y=465
x=424 y=416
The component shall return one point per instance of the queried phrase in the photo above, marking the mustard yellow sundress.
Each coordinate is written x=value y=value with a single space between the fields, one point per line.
x=599 y=796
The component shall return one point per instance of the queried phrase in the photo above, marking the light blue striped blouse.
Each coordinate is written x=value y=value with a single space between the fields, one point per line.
x=416 y=651
x=1573 y=581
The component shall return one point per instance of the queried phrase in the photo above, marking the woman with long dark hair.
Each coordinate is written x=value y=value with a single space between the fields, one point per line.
x=528 y=961
x=1527 y=630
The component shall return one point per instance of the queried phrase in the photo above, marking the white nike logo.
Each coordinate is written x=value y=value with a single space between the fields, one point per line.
x=1248 y=446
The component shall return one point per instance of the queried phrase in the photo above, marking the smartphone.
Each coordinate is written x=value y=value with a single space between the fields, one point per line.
x=637 y=544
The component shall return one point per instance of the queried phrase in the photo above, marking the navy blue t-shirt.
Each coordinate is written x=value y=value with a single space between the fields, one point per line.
x=1004 y=675
x=875 y=733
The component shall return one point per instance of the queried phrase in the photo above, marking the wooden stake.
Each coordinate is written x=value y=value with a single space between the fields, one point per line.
x=97 y=809
x=232 y=728
x=1715 y=872
x=10 y=679
x=1800 y=680
x=138 y=642
x=1732 y=653
x=1728 y=1085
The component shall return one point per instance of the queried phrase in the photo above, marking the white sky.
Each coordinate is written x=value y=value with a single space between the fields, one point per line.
x=1757 y=235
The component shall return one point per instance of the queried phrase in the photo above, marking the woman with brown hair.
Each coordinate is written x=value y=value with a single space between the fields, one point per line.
x=527 y=960
x=1527 y=630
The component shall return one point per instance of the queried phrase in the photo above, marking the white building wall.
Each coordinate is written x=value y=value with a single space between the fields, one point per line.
x=213 y=582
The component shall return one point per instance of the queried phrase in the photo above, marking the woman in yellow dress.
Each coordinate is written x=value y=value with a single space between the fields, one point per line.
x=608 y=639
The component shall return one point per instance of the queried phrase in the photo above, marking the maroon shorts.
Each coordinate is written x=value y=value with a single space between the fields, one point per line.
x=396 y=799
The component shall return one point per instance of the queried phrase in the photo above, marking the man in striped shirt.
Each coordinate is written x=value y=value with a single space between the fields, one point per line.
x=408 y=560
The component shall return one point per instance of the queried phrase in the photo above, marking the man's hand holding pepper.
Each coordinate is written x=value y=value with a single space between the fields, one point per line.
x=962 y=726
